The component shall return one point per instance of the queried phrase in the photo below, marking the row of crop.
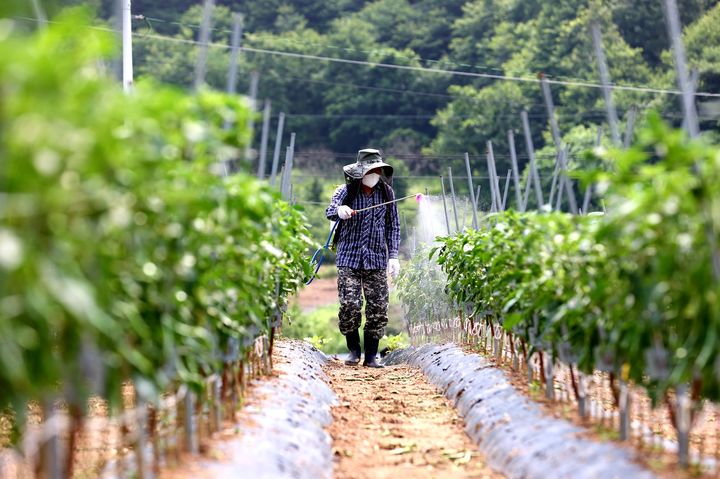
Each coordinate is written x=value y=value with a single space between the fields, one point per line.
x=631 y=291
x=124 y=252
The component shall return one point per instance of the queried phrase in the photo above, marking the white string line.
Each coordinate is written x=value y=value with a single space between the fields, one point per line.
x=426 y=70
x=590 y=114
x=404 y=67
x=141 y=17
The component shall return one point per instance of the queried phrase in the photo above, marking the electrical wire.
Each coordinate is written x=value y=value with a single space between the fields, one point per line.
x=290 y=41
x=585 y=84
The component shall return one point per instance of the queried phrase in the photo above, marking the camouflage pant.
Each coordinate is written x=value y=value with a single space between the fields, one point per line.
x=351 y=285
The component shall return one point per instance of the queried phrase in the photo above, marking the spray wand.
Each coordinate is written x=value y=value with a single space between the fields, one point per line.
x=418 y=197
x=317 y=259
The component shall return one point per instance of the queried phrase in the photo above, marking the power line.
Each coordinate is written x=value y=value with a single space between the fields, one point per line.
x=586 y=84
x=589 y=113
x=586 y=114
x=455 y=72
x=368 y=52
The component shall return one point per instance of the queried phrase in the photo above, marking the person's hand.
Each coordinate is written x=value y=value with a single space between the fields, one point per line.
x=344 y=212
x=394 y=267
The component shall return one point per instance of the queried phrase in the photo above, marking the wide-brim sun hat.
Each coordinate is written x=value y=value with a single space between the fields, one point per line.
x=367 y=159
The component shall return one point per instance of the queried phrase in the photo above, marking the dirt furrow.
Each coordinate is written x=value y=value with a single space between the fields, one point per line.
x=392 y=423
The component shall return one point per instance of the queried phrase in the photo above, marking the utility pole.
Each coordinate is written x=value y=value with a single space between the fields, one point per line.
x=278 y=144
x=533 y=166
x=234 y=53
x=452 y=198
x=471 y=190
x=127 y=70
x=683 y=76
x=254 y=78
x=515 y=170
x=40 y=14
x=629 y=127
x=231 y=87
x=264 y=140
x=204 y=39
x=605 y=81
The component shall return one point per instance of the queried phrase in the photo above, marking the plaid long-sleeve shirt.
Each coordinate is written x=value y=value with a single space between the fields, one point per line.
x=369 y=237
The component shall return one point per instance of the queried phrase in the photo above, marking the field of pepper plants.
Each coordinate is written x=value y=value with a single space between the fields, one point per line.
x=630 y=291
x=125 y=254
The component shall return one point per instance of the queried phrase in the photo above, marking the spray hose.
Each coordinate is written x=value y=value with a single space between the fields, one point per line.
x=319 y=257
x=417 y=197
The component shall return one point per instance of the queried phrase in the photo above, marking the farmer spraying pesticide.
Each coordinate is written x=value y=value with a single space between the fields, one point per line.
x=367 y=238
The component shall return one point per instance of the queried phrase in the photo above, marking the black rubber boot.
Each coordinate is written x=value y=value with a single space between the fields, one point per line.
x=371 y=347
x=353 y=343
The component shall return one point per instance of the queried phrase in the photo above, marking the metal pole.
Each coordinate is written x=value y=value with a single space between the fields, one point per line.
x=40 y=14
x=572 y=202
x=560 y=181
x=471 y=189
x=254 y=78
x=515 y=169
x=234 y=53
x=493 y=174
x=550 y=110
x=688 y=95
x=526 y=195
x=533 y=166
x=204 y=39
x=632 y=114
x=292 y=148
x=624 y=406
x=553 y=183
x=690 y=114
x=586 y=199
x=284 y=176
x=278 y=144
x=477 y=194
x=694 y=78
x=127 y=71
x=264 y=139
x=588 y=191
x=605 y=81
x=141 y=438
x=454 y=203
x=507 y=187
x=447 y=217
x=191 y=444
x=287 y=177
x=682 y=414
x=232 y=69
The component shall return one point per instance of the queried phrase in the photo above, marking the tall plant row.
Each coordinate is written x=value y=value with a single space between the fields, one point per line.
x=630 y=291
x=125 y=254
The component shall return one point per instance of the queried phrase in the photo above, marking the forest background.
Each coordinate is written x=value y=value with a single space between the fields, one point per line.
x=423 y=120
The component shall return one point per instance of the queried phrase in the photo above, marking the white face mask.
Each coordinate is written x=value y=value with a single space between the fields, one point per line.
x=370 y=179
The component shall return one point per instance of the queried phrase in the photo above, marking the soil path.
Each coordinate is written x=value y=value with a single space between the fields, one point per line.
x=391 y=423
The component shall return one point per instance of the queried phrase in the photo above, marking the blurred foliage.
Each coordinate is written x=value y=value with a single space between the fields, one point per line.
x=124 y=254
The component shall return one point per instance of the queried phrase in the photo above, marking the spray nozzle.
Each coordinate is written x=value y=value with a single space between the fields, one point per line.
x=419 y=197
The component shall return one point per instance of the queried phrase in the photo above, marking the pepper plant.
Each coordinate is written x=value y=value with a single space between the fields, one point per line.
x=124 y=252
x=630 y=291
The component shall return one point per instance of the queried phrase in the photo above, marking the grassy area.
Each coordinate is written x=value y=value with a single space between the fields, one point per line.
x=319 y=326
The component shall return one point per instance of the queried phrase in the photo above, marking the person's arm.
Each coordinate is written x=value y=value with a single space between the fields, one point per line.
x=393 y=230
x=337 y=199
